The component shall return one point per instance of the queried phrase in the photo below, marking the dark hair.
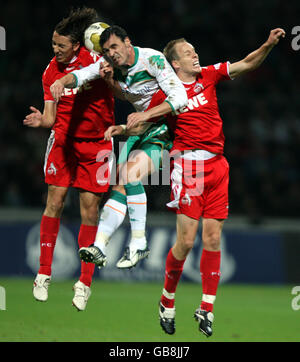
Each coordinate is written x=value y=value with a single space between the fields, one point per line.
x=76 y=23
x=113 y=30
x=170 y=51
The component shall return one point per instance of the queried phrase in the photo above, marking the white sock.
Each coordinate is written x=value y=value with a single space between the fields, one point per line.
x=137 y=209
x=111 y=218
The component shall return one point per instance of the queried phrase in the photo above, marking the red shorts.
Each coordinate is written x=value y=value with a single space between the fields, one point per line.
x=84 y=164
x=200 y=188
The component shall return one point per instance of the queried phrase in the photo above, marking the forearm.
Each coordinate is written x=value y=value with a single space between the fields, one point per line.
x=137 y=130
x=86 y=74
x=255 y=58
x=157 y=111
x=46 y=122
x=69 y=81
x=48 y=115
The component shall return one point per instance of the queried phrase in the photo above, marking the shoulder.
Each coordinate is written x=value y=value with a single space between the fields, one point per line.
x=50 y=69
x=217 y=71
x=86 y=56
x=217 y=67
x=149 y=51
x=154 y=59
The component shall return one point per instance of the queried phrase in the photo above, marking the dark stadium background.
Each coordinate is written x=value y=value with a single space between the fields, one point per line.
x=260 y=110
x=261 y=114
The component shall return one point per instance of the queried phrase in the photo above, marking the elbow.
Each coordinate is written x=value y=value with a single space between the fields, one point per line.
x=184 y=100
x=179 y=100
x=48 y=125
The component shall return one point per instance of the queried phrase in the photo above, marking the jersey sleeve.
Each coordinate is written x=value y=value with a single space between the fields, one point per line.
x=88 y=73
x=167 y=80
x=46 y=82
x=220 y=71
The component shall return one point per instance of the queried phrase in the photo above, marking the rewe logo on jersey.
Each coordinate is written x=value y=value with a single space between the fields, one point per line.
x=195 y=102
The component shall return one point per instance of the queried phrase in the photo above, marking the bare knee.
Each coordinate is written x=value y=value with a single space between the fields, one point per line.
x=54 y=207
x=211 y=240
x=186 y=234
x=90 y=215
x=182 y=247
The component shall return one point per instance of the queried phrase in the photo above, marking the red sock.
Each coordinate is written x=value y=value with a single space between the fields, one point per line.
x=173 y=273
x=48 y=234
x=86 y=237
x=210 y=273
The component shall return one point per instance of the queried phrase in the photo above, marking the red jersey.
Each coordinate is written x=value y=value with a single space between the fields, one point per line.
x=199 y=125
x=84 y=112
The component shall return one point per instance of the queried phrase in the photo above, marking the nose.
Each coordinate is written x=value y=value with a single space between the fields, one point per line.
x=111 y=53
x=55 y=48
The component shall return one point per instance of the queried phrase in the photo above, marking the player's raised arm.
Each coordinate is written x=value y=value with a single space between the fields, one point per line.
x=75 y=79
x=57 y=88
x=254 y=59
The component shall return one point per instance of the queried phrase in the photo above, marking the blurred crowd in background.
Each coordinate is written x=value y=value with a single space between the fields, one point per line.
x=260 y=110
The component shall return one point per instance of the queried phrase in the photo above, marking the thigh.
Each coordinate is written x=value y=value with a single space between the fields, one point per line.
x=154 y=151
x=187 y=186
x=216 y=202
x=57 y=193
x=187 y=227
x=94 y=165
x=128 y=146
x=138 y=166
x=60 y=162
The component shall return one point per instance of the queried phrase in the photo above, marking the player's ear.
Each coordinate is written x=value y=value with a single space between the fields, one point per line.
x=76 y=46
x=175 y=65
x=127 y=41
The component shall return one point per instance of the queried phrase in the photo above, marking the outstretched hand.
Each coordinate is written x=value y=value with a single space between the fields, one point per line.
x=33 y=119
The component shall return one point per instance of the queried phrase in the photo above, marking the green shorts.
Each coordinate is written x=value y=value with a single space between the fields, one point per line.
x=153 y=147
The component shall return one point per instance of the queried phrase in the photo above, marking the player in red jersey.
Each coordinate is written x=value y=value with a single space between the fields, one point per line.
x=200 y=172
x=76 y=149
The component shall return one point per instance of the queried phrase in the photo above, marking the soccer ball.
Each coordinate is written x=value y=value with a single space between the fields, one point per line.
x=92 y=36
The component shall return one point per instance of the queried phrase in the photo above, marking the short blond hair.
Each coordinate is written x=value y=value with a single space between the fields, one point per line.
x=170 y=51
